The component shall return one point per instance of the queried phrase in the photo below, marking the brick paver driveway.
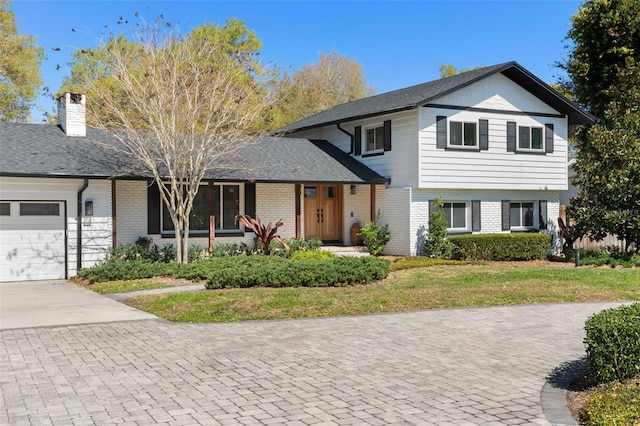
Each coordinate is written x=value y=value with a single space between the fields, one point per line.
x=453 y=366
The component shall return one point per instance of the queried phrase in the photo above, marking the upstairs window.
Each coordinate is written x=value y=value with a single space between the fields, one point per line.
x=375 y=139
x=462 y=134
x=530 y=138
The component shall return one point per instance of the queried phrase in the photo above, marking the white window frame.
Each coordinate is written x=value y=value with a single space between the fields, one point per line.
x=204 y=232
x=476 y=135
x=375 y=129
x=521 y=226
x=451 y=211
x=530 y=149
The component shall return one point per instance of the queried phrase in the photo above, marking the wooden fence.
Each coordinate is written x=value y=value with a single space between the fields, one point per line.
x=589 y=244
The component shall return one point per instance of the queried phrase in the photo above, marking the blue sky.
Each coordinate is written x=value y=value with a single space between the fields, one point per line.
x=399 y=43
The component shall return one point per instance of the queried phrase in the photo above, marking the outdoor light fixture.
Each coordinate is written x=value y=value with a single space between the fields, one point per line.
x=353 y=190
x=88 y=207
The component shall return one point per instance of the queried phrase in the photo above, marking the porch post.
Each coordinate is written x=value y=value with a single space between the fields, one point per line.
x=114 y=221
x=212 y=218
x=298 y=221
x=372 y=203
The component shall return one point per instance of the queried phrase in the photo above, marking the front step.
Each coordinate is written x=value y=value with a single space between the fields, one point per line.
x=346 y=250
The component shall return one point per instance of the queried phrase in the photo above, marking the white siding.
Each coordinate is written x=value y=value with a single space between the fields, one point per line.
x=394 y=206
x=400 y=164
x=356 y=209
x=494 y=168
x=275 y=201
x=96 y=230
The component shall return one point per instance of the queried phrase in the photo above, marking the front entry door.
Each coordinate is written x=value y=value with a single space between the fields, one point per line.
x=322 y=212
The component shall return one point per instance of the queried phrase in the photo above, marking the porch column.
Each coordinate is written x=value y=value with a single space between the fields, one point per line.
x=372 y=203
x=212 y=218
x=114 y=221
x=298 y=221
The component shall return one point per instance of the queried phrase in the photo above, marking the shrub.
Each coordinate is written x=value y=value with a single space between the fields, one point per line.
x=312 y=255
x=133 y=252
x=524 y=246
x=231 y=249
x=278 y=272
x=613 y=343
x=615 y=404
x=437 y=245
x=264 y=233
x=130 y=270
x=375 y=236
x=611 y=256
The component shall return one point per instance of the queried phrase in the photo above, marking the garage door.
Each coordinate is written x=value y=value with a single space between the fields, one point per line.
x=32 y=240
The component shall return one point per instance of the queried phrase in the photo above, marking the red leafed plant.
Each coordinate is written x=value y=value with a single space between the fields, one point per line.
x=265 y=233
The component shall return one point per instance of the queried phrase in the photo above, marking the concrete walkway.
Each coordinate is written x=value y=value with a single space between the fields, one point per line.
x=50 y=303
x=445 y=367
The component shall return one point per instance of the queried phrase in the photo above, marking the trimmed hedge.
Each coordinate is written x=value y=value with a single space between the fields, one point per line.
x=250 y=271
x=524 y=246
x=330 y=272
x=613 y=343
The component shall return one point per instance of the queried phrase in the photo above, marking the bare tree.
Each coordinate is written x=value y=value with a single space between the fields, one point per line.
x=190 y=102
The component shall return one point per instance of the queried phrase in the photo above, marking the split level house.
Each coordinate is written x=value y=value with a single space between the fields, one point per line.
x=491 y=143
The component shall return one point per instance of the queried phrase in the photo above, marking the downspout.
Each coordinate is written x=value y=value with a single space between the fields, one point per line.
x=351 y=137
x=79 y=224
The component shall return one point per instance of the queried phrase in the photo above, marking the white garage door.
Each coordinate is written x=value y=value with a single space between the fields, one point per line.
x=32 y=240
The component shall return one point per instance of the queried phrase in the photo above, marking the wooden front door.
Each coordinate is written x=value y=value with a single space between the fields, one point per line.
x=322 y=212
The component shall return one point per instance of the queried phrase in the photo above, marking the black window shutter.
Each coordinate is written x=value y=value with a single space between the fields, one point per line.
x=484 y=135
x=153 y=209
x=250 y=199
x=506 y=218
x=543 y=214
x=511 y=136
x=357 y=135
x=475 y=216
x=441 y=132
x=548 y=138
x=387 y=135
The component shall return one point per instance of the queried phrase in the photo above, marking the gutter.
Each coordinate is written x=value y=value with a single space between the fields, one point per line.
x=84 y=186
x=352 y=137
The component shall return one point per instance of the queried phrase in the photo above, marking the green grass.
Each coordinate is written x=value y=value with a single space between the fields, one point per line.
x=439 y=286
x=124 y=286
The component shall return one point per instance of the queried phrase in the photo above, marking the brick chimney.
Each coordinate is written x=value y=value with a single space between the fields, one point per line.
x=72 y=114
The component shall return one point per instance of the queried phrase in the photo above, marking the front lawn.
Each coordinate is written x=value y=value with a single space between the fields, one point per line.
x=439 y=286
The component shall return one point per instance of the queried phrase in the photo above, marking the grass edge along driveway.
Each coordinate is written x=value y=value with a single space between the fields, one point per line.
x=442 y=286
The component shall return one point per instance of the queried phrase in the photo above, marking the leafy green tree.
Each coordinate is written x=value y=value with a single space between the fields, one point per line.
x=447 y=70
x=436 y=244
x=20 y=60
x=608 y=166
x=334 y=80
x=180 y=106
x=604 y=34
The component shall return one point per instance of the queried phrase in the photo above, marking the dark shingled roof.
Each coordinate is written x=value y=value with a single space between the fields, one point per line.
x=41 y=150
x=421 y=94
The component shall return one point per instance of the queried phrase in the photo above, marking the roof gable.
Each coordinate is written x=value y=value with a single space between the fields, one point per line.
x=422 y=94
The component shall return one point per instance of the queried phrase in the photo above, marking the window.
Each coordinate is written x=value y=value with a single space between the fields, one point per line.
x=463 y=134
x=226 y=206
x=375 y=139
x=5 y=209
x=455 y=215
x=521 y=215
x=530 y=138
x=39 y=209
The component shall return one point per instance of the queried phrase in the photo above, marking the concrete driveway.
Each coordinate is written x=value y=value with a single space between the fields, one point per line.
x=49 y=303
x=446 y=367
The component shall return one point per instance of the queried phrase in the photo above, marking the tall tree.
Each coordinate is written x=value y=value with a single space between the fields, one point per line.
x=604 y=34
x=20 y=60
x=180 y=106
x=334 y=80
x=608 y=166
x=447 y=70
